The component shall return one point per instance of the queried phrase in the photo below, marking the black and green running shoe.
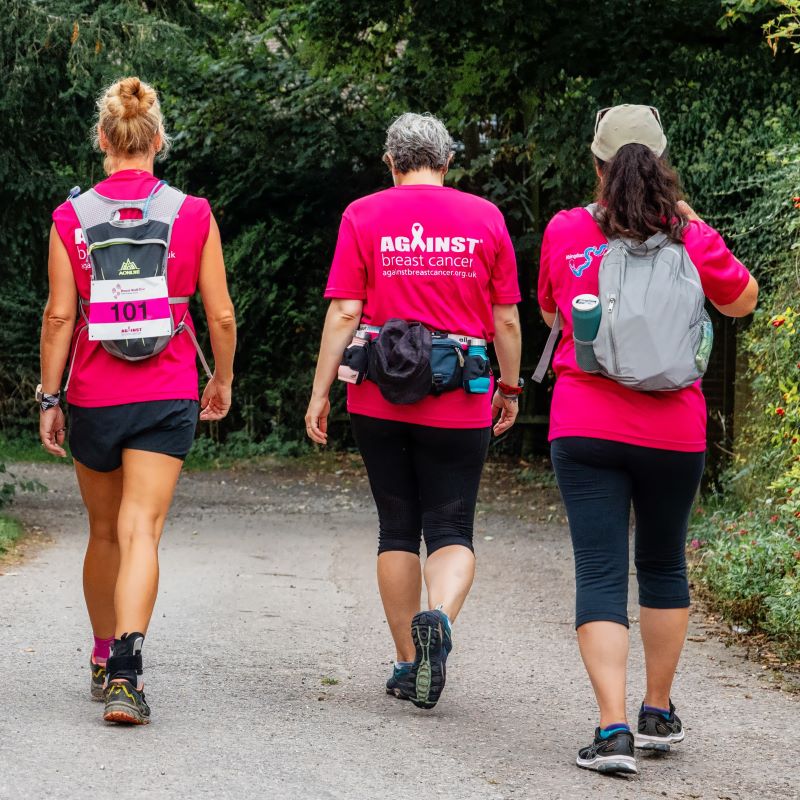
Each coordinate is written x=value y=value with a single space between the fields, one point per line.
x=126 y=704
x=430 y=631
x=658 y=729
x=98 y=685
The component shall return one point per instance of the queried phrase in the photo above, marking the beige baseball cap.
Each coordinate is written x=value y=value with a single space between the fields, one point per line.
x=627 y=124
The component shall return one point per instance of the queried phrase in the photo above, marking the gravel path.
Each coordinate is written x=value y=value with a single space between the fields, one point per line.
x=268 y=650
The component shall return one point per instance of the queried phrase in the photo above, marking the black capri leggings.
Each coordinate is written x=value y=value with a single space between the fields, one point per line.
x=598 y=480
x=424 y=481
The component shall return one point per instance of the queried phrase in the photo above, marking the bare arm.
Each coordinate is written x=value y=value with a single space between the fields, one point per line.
x=744 y=304
x=213 y=285
x=549 y=317
x=508 y=347
x=340 y=323
x=58 y=324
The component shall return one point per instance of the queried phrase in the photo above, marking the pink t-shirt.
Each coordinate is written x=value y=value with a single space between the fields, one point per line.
x=600 y=408
x=432 y=254
x=97 y=377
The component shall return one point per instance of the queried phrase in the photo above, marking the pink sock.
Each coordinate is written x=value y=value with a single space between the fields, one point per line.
x=102 y=649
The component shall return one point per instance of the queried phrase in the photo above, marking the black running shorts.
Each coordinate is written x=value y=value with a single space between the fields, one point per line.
x=97 y=436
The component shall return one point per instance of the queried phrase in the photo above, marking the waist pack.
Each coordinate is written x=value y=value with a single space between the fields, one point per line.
x=654 y=333
x=408 y=362
x=129 y=310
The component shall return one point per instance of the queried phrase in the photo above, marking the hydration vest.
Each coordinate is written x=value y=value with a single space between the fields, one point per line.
x=129 y=310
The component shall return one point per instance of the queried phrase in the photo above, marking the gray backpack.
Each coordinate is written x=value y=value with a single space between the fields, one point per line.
x=654 y=334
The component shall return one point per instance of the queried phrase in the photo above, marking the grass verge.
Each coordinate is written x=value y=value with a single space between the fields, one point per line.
x=746 y=562
x=23 y=449
x=10 y=533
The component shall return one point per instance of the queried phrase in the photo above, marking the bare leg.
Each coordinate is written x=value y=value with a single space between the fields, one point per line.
x=101 y=492
x=400 y=584
x=663 y=635
x=449 y=573
x=604 y=649
x=148 y=483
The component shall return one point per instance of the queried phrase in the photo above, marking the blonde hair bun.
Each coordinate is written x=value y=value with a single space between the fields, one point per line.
x=135 y=97
x=129 y=115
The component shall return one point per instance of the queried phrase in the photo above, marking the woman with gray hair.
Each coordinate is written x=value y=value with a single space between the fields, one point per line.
x=423 y=278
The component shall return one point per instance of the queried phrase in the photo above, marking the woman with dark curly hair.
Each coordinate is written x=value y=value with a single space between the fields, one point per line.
x=616 y=444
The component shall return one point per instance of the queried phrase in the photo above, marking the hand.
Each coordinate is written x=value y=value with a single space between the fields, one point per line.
x=319 y=408
x=687 y=211
x=52 y=431
x=216 y=400
x=507 y=410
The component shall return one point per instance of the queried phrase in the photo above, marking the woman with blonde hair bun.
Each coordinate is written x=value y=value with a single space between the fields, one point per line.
x=125 y=258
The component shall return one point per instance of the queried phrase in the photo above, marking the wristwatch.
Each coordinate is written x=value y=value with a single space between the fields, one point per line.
x=47 y=401
x=511 y=392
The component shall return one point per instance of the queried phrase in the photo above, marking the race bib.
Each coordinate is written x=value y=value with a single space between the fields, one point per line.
x=134 y=308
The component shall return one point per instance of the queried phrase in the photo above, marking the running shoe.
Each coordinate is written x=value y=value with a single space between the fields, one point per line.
x=657 y=730
x=98 y=684
x=612 y=755
x=430 y=631
x=399 y=684
x=126 y=704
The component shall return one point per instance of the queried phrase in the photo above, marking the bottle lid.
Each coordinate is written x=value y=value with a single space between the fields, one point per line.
x=585 y=302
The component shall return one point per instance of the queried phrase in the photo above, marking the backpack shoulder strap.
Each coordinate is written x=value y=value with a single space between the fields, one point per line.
x=91 y=209
x=165 y=204
x=547 y=353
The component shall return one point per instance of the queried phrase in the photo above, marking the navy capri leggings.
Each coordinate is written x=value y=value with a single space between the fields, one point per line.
x=424 y=480
x=599 y=480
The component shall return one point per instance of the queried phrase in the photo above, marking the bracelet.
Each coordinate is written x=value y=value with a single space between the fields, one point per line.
x=509 y=391
x=47 y=401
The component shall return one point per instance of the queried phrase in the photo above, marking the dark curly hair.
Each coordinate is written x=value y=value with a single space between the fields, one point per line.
x=638 y=195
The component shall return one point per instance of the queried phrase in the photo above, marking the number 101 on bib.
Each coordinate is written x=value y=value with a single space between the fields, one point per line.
x=130 y=308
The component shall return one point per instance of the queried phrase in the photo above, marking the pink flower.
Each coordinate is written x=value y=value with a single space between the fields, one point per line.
x=695 y=544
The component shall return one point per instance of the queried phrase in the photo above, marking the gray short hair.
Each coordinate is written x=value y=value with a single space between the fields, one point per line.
x=418 y=141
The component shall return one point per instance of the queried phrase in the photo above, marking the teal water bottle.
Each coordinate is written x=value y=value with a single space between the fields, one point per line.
x=586 y=313
x=706 y=343
x=478 y=382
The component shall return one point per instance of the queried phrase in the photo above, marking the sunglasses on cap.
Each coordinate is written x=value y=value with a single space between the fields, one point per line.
x=603 y=111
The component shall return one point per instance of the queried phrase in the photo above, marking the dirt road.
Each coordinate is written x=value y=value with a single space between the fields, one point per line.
x=268 y=650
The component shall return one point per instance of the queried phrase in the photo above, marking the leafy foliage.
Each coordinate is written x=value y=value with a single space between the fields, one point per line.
x=783 y=27
x=751 y=546
x=279 y=110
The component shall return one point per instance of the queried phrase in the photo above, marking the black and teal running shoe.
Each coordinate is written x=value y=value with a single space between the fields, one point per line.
x=399 y=684
x=125 y=704
x=430 y=631
x=610 y=755
x=98 y=685
x=657 y=729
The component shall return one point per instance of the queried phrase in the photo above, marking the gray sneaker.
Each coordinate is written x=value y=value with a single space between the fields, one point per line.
x=657 y=731
x=612 y=755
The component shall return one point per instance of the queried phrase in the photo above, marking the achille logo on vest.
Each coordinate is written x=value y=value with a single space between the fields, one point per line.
x=430 y=255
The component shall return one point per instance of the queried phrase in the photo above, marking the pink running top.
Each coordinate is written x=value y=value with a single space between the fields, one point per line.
x=100 y=379
x=431 y=254
x=600 y=408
